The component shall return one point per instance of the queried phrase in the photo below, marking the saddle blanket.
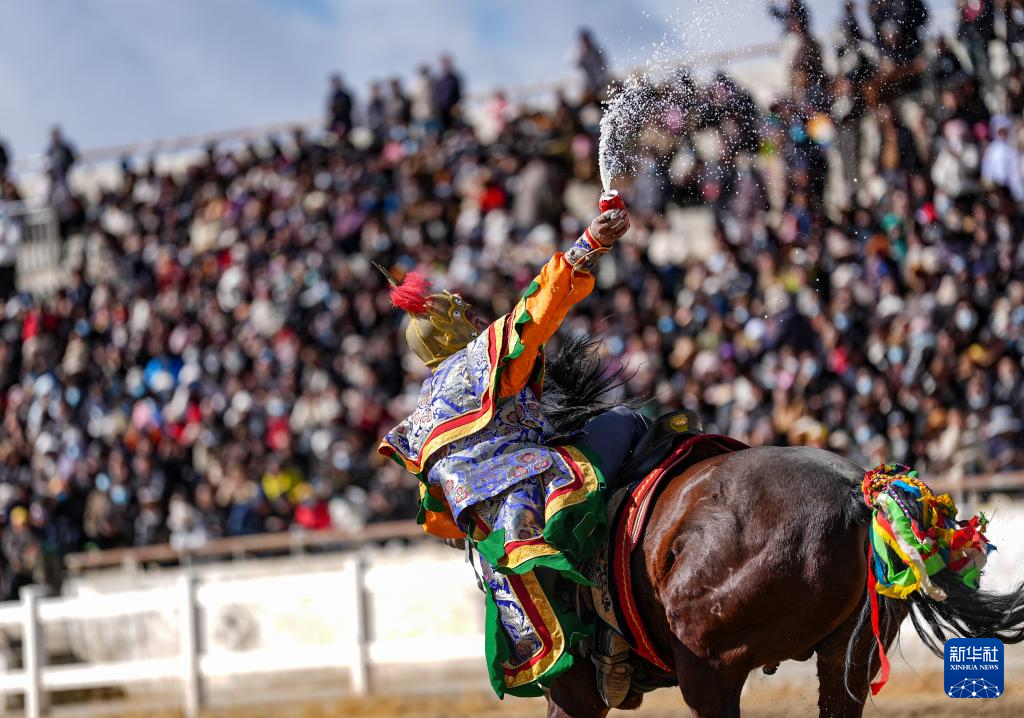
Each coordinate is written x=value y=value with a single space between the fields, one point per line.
x=628 y=511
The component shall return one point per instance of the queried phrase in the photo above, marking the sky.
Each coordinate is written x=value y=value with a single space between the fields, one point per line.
x=120 y=71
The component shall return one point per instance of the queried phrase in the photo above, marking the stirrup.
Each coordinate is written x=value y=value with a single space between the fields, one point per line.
x=614 y=670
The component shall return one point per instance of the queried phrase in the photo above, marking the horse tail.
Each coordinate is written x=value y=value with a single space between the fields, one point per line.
x=944 y=604
x=967 y=613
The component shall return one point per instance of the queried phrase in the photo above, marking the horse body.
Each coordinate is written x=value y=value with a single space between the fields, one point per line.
x=752 y=558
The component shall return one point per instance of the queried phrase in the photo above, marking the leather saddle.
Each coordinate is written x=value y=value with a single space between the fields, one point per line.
x=664 y=435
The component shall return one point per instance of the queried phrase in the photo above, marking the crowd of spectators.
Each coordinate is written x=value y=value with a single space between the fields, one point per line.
x=224 y=358
x=430 y=106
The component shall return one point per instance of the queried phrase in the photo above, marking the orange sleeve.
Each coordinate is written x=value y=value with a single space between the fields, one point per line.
x=440 y=523
x=541 y=310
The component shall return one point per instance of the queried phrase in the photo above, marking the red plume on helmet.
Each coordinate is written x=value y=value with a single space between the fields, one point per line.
x=410 y=295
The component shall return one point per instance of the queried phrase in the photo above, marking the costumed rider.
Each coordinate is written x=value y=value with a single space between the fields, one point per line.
x=481 y=446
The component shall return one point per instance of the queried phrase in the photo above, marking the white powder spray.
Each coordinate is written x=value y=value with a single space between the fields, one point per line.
x=641 y=102
x=625 y=116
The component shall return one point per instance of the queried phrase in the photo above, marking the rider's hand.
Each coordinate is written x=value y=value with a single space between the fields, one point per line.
x=609 y=226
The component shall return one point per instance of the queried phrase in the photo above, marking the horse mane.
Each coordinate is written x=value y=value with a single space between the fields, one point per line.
x=577 y=387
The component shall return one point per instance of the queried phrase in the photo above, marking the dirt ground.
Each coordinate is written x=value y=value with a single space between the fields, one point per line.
x=914 y=691
x=920 y=697
x=903 y=707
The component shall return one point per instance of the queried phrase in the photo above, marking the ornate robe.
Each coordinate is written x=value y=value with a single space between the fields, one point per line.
x=479 y=443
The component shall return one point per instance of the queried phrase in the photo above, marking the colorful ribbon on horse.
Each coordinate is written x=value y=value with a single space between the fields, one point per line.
x=913 y=535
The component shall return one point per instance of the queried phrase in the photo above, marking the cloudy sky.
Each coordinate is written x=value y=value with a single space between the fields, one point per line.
x=120 y=71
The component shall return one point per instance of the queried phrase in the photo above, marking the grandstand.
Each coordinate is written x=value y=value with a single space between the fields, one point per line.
x=200 y=360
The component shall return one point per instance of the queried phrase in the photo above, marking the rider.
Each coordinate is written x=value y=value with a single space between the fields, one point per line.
x=481 y=446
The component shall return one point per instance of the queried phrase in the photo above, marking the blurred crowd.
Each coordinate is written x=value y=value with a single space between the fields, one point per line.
x=224 y=358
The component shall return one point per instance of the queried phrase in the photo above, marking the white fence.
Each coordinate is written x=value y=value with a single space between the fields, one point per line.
x=349 y=616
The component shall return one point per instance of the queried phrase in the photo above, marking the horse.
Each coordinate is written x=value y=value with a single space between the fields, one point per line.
x=760 y=556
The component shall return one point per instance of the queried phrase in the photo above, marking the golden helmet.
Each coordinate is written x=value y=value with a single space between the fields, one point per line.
x=438 y=323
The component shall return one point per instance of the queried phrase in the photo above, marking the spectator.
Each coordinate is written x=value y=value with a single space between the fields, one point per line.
x=312 y=511
x=956 y=162
x=5 y=159
x=340 y=106
x=495 y=117
x=898 y=26
x=1001 y=163
x=975 y=29
x=946 y=66
x=21 y=553
x=851 y=37
x=8 y=190
x=847 y=112
x=60 y=156
x=590 y=59
x=851 y=57
x=377 y=114
x=1013 y=31
x=794 y=16
x=1003 y=440
x=398 y=108
x=189 y=526
x=898 y=157
x=728 y=102
x=447 y=92
x=748 y=204
x=807 y=73
x=423 y=101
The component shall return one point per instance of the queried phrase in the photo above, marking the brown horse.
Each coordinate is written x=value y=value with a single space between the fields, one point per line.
x=760 y=556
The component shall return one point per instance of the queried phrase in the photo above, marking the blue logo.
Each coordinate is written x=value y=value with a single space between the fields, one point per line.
x=974 y=668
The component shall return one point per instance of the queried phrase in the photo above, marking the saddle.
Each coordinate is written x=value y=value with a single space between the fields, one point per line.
x=674 y=443
x=655 y=446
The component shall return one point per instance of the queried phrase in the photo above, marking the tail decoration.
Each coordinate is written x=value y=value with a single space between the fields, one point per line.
x=913 y=535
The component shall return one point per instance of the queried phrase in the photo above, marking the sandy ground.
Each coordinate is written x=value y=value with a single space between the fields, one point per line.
x=661 y=706
x=917 y=696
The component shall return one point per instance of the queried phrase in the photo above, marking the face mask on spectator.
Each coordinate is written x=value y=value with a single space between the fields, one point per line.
x=863 y=385
x=119 y=495
x=965 y=319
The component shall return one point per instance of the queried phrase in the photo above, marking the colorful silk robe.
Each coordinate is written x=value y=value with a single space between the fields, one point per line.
x=479 y=443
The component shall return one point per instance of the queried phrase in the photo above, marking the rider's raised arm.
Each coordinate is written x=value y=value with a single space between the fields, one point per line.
x=563 y=282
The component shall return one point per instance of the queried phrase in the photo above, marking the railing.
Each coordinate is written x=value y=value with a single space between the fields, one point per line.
x=980 y=483
x=241 y=546
x=37 y=678
x=188 y=606
x=39 y=248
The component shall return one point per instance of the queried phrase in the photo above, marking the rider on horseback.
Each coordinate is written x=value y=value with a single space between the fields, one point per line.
x=483 y=450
